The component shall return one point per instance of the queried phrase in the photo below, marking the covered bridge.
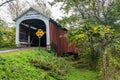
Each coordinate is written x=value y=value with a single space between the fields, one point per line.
x=30 y=21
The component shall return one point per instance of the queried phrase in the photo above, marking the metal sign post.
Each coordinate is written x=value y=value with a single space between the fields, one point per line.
x=39 y=43
x=40 y=33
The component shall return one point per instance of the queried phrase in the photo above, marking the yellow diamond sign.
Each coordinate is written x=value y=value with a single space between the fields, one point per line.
x=40 y=33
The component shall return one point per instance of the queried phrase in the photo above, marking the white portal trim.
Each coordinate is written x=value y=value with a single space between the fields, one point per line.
x=33 y=14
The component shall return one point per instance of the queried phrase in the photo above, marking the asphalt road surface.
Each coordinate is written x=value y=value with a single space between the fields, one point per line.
x=13 y=50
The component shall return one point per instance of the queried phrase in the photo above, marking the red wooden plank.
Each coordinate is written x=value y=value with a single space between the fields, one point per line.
x=59 y=41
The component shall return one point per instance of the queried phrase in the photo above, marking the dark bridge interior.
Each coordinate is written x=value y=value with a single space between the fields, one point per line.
x=28 y=28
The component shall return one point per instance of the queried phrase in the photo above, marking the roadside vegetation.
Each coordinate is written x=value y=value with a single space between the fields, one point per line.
x=94 y=26
x=7 y=37
x=40 y=65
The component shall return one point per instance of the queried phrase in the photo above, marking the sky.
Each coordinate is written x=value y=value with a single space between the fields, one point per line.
x=56 y=12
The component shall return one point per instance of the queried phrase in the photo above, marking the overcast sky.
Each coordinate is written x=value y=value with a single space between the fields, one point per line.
x=56 y=13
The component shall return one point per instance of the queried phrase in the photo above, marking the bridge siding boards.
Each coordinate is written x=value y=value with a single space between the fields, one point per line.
x=59 y=41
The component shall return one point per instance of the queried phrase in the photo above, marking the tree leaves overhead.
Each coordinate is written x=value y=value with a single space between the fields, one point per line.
x=100 y=11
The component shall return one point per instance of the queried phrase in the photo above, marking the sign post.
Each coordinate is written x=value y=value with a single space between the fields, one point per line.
x=39 y=43
x=40 y=33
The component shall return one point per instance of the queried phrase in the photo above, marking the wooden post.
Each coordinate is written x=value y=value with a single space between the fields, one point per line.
x=29 y=37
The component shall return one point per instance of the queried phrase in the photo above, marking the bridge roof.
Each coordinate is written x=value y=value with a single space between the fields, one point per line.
x=31 y=8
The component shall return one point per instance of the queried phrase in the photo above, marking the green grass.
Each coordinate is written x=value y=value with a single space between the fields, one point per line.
x=39 y=65
x=82 y=74
x=7 y=48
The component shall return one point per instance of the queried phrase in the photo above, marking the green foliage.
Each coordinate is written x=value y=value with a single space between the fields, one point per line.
x=89 y=30
x=83 y=75
x=57 y=66
x=94 y=11
x=110 y=66
x=7 y=37
x=39 y=65
x=91 y=39
x=93 y=42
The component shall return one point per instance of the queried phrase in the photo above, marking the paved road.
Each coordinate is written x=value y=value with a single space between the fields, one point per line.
x=12 y=50
x=5 y=51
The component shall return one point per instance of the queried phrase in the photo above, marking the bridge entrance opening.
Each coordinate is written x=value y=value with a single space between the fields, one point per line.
x=27 y=30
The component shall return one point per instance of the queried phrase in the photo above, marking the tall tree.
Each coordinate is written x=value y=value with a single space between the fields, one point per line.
x=15 y=8
x=101 y=11
x=40 y=5
x=86 y=31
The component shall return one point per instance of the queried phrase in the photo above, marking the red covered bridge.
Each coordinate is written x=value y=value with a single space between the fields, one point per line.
x=30 y=21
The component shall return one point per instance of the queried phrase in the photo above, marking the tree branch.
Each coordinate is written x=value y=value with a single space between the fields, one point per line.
x=5 y=2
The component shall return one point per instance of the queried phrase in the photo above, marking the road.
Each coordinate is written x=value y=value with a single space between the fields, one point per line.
x=13 y=50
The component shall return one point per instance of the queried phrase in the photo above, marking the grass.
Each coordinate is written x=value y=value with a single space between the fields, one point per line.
x=39 y=65
x=83 y=74
x=7 y=48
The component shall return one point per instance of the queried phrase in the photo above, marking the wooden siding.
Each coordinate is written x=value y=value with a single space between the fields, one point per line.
x=58 y=40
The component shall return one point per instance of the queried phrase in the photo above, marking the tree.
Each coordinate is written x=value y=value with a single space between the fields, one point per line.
x=17 y=7
x=6 y=2
x=7 y=36
x=101 y=44
x=41 y=6
x=94 y=11
x=85 y=31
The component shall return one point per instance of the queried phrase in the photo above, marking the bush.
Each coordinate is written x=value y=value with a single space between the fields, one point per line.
x=38 y=65
x=57 y=67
